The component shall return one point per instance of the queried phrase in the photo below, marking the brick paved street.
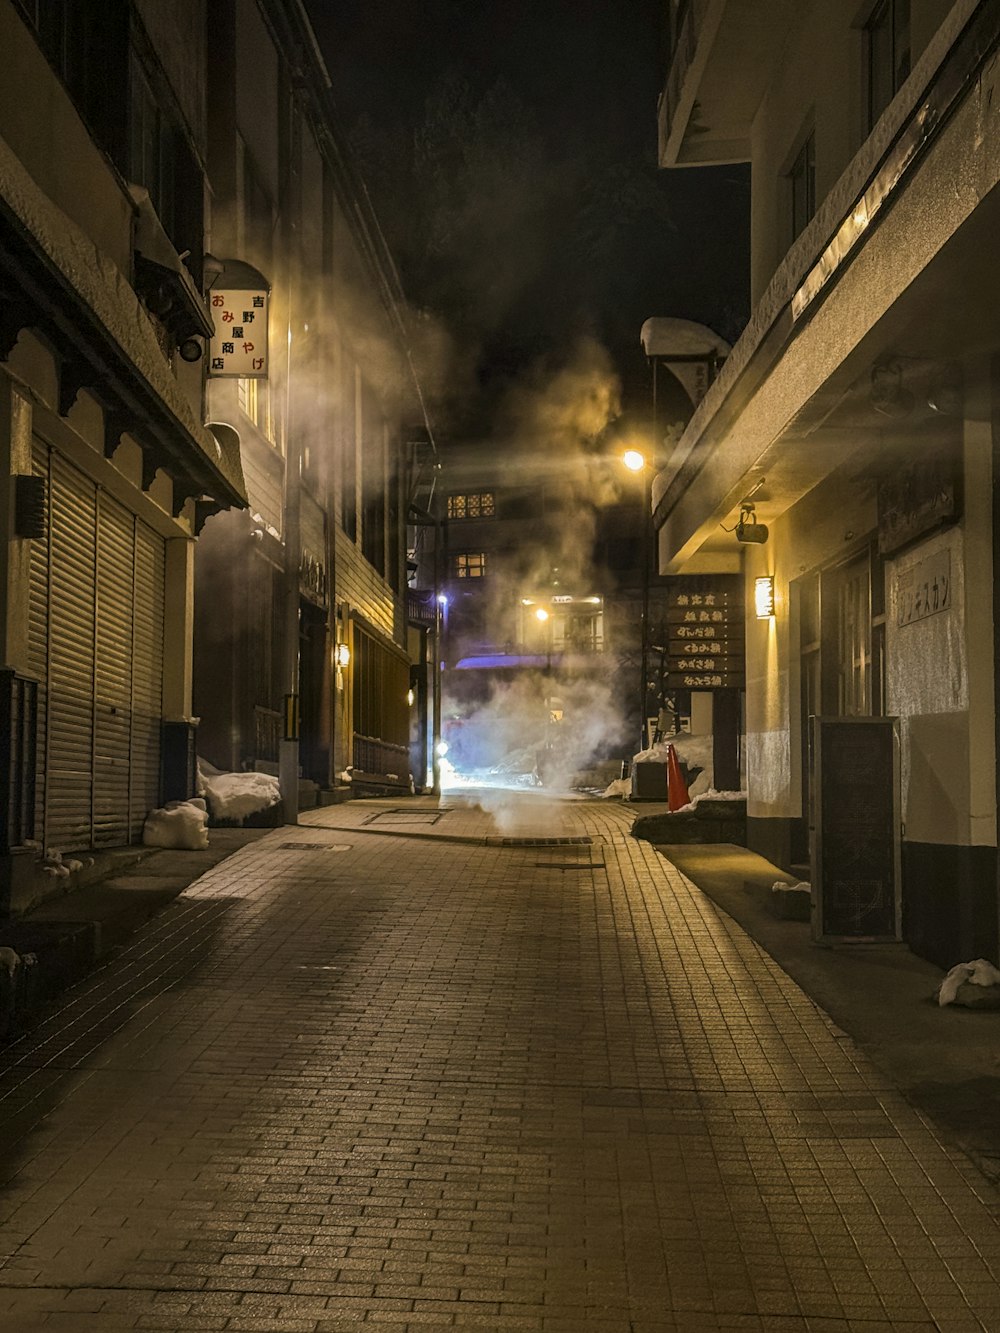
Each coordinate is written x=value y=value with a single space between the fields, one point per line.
x=402 y=1069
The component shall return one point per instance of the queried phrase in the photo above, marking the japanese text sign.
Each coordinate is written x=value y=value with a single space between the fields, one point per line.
x=239 y=346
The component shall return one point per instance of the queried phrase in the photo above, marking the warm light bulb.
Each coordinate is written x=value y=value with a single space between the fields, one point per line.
x=763 y=596
x=343 y=655
x=541 y=614
x=633 y=460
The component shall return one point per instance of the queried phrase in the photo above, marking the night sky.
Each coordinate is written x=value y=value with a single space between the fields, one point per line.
x=510 y=151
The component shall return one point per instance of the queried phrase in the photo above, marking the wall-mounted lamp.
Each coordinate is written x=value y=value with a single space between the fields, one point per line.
x=763 y=597
x=343 y=655
x=747 y=528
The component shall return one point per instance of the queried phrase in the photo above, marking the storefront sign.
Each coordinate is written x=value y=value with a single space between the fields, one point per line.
x=704 y=633
x=924 y=588
x=239 y=347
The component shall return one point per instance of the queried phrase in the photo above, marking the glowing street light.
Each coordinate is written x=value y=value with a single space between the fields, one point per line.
x=541 y=614
x=634 y=460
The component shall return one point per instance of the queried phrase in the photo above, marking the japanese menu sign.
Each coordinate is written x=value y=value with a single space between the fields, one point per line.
x=704 y=629
x=239 y=346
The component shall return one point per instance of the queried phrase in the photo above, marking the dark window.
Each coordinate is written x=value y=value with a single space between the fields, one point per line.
x=887 y=41
x=87 y=46
x=161 y=159
x=802 y=182
x=258 y=212
x=373 y=480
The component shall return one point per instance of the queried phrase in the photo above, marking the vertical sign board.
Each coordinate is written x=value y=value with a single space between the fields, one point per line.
x=239 y=347
x=855 y=828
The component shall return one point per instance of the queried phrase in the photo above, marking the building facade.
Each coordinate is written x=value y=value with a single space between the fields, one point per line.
x=209 y=422
x=103 y=211
x=302 y=598
x=856 y=418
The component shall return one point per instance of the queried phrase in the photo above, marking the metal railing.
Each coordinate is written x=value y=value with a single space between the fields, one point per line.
x=381 y=757
x=267 y=733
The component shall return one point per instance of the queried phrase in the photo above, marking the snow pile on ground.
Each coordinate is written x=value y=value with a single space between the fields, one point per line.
x=956 y=987
x=236 y=795
x=181 y=825
x=711 y=795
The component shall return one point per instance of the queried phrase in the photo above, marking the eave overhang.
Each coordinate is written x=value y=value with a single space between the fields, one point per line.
x=792 y=403
x=54 y=280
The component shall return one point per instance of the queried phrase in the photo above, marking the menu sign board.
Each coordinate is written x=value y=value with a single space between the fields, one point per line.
x=704 y=633
x=855 y=828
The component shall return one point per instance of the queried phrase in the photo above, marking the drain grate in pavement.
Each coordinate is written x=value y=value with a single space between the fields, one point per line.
x=407 y=816
x=546 y=842
x=571 y=865
x=314 y=846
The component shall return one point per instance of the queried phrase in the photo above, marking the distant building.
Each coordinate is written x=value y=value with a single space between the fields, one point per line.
x=857 y=418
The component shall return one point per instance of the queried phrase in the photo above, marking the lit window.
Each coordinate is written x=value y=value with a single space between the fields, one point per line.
x=887 y=41
x=802 y=182
x=473 y=504
x=470 y=565
x=254 y=398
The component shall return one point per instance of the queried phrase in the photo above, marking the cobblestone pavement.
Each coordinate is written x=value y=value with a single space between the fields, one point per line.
x=401 y=1068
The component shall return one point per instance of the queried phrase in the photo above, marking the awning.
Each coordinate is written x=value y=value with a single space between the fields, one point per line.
x=54 y=279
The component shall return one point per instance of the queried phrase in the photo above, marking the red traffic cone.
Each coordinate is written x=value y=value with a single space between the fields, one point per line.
x=677 y=792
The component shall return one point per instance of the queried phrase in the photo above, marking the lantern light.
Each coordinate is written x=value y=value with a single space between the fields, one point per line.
x=343 y=655
x=763 y=596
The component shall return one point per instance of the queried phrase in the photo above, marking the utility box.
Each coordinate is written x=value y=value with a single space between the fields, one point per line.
x=649 y=781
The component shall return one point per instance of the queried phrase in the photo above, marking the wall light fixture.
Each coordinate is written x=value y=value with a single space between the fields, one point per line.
x=763 y=597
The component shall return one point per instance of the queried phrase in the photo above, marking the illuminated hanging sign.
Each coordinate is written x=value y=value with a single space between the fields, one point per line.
x=704 y=633
x=239 y=347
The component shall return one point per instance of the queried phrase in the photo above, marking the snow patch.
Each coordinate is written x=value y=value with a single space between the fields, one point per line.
x=180 y=825
x=234 y=796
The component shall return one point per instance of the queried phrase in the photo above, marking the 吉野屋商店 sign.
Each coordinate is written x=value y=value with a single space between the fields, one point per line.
x=239 y=347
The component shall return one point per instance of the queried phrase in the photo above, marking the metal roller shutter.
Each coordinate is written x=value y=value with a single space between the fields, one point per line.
x=147 y=674
x=38 y=632
x=95 y=644
x=72 y=586
x=113 y=686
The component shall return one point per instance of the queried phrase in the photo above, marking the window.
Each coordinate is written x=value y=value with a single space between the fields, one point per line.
x=87 y=46
x=474 y=504
x=256 y=216
x=255 y=400
x=161 y=159
x=887 y=42
x=802 y=186
x=469 y=565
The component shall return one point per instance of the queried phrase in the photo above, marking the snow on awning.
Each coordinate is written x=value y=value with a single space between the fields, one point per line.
x=53 y=277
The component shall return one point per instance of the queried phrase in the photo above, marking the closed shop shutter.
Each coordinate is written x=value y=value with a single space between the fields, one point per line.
x=72 y=586
x=95 y=644
x=147 y=674
x=38 y=632
x=112 y=721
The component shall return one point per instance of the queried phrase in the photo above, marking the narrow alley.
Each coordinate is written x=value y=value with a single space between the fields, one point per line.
x=409 y=1067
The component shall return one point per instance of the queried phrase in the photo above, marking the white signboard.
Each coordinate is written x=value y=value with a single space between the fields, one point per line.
x=924 y=589
x=240 y=343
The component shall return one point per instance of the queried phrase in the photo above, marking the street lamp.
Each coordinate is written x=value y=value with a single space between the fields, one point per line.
x=636 y=461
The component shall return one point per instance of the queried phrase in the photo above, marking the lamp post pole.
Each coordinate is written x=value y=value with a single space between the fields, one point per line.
x=636 y=461
x=647 y=542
